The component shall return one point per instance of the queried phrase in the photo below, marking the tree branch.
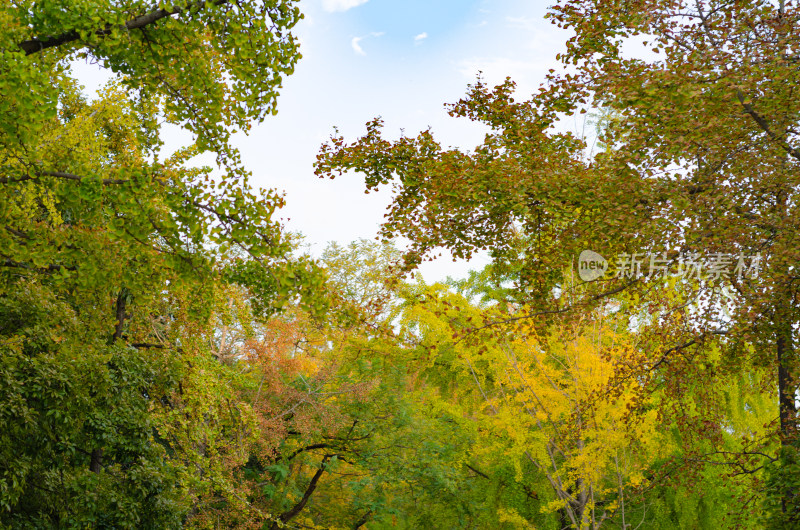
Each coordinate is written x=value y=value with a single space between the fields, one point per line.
x=49 y=268
x=556 y=311
x=297 y=508
x=309 y=448
x=765 y=126
x=362 y=520
x=484 y=475
x=56 y=174
x=122 y=303
x=39 y=44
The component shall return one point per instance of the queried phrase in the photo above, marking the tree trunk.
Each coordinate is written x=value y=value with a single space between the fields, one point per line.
x=96 y=461
x=786 y=386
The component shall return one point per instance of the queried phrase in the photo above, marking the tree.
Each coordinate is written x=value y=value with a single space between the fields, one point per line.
x=553 y=405
x=113 y=256
x=719 y=105
x=703 y=128
x=173 y=63
x=540 y=401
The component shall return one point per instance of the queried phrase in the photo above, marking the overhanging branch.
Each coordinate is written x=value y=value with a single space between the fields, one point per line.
x=36 y=45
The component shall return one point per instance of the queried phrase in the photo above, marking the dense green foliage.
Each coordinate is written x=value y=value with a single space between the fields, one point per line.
x=113 y=256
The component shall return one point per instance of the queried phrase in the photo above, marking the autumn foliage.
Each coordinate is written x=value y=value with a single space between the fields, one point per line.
x=169 y=356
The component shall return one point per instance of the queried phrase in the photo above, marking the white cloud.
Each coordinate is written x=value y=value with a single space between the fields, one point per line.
x=356 y=46
x=421 y=37
x=524 y=23
x=355 y=42
x=341 y=5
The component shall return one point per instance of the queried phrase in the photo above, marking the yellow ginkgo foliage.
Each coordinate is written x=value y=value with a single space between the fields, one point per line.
x=554 y=400
x=588 y=434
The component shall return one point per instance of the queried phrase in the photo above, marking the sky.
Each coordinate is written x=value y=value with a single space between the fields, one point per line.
x=401 y=60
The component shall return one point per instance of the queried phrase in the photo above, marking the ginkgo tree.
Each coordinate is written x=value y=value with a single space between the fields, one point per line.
x=542 y=400
x=592 y=441
x=175 y=64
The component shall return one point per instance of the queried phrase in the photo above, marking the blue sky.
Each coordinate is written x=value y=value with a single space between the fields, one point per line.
x=397 y=29
x=402 y=60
